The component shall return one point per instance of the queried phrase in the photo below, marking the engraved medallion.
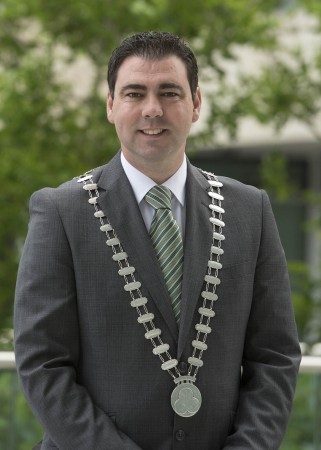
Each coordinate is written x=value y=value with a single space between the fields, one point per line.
x=186 y=399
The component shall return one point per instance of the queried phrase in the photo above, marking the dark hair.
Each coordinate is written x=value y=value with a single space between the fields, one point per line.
x=152 y=45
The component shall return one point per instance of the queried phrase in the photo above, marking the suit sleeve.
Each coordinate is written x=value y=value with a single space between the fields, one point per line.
x=47 y=344
x=272 y=354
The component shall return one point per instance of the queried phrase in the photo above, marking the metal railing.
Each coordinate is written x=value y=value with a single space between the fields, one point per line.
x=7 y=361
x=309 y=390
x=309 y=364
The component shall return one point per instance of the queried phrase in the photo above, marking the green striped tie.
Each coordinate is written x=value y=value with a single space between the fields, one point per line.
x=167 y=242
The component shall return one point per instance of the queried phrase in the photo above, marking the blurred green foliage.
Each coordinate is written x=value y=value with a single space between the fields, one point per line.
x=52 y=114
x=306 y=286
x=306 y=296
x=19 y=430
x=275 y=176
x=53 y=126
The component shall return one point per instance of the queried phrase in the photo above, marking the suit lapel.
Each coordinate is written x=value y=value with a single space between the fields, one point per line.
x=118 y=202
x=198 y=239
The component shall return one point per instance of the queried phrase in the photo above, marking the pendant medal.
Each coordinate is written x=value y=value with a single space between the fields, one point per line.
x=186 y=398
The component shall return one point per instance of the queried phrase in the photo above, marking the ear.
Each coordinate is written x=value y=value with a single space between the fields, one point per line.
x=197 y=105
x=109 y=105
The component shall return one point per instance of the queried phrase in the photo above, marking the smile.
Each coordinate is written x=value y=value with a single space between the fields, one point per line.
x=153 y=132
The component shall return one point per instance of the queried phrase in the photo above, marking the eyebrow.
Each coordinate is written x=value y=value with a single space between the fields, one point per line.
x=171 y=86
x=134 y=87
x=141 y=87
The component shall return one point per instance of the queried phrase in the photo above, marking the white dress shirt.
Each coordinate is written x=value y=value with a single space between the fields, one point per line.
x=141 y=184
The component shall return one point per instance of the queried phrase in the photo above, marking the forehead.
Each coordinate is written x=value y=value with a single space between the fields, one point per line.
x=136 y=69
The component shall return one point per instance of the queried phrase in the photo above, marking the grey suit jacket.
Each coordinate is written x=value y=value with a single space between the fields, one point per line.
x=85 y=367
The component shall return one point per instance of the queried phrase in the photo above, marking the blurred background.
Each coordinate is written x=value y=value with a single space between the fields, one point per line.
x=260 y=74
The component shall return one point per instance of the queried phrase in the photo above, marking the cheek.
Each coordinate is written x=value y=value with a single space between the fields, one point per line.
x=123 y=130
x=187 y=112
x=125 y=114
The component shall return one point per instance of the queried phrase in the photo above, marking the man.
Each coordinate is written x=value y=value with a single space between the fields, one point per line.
x=179 y=333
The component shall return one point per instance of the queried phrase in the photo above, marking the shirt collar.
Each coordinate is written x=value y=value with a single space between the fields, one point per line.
x=141 y=183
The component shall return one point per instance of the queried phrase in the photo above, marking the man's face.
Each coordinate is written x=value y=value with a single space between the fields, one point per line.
x=153 y=110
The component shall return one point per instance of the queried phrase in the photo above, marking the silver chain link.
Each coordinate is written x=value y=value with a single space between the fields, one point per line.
x=132 y=286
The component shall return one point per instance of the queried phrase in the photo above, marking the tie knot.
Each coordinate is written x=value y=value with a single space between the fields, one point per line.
x=159 y=197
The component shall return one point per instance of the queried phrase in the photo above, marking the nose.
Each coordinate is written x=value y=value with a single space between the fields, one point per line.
x=152 y=107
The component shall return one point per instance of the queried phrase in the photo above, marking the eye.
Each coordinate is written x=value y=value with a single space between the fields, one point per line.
x=170 y=94
x=134 y=95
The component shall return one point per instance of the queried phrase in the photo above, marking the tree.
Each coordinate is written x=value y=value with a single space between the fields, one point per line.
x=52 y=119
x=53 y=127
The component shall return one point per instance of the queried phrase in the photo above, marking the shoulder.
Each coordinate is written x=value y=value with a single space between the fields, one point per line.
x=67 y=196
x=232 y=188
x=241 y=190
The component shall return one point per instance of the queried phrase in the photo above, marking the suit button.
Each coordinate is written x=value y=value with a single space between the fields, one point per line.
x=182 y=367
x=180 y=435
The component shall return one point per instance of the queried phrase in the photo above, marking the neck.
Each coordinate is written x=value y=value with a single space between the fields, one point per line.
x=160 y=171
x=158 y=175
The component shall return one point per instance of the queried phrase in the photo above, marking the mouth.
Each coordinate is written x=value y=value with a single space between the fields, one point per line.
x=153 y=132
